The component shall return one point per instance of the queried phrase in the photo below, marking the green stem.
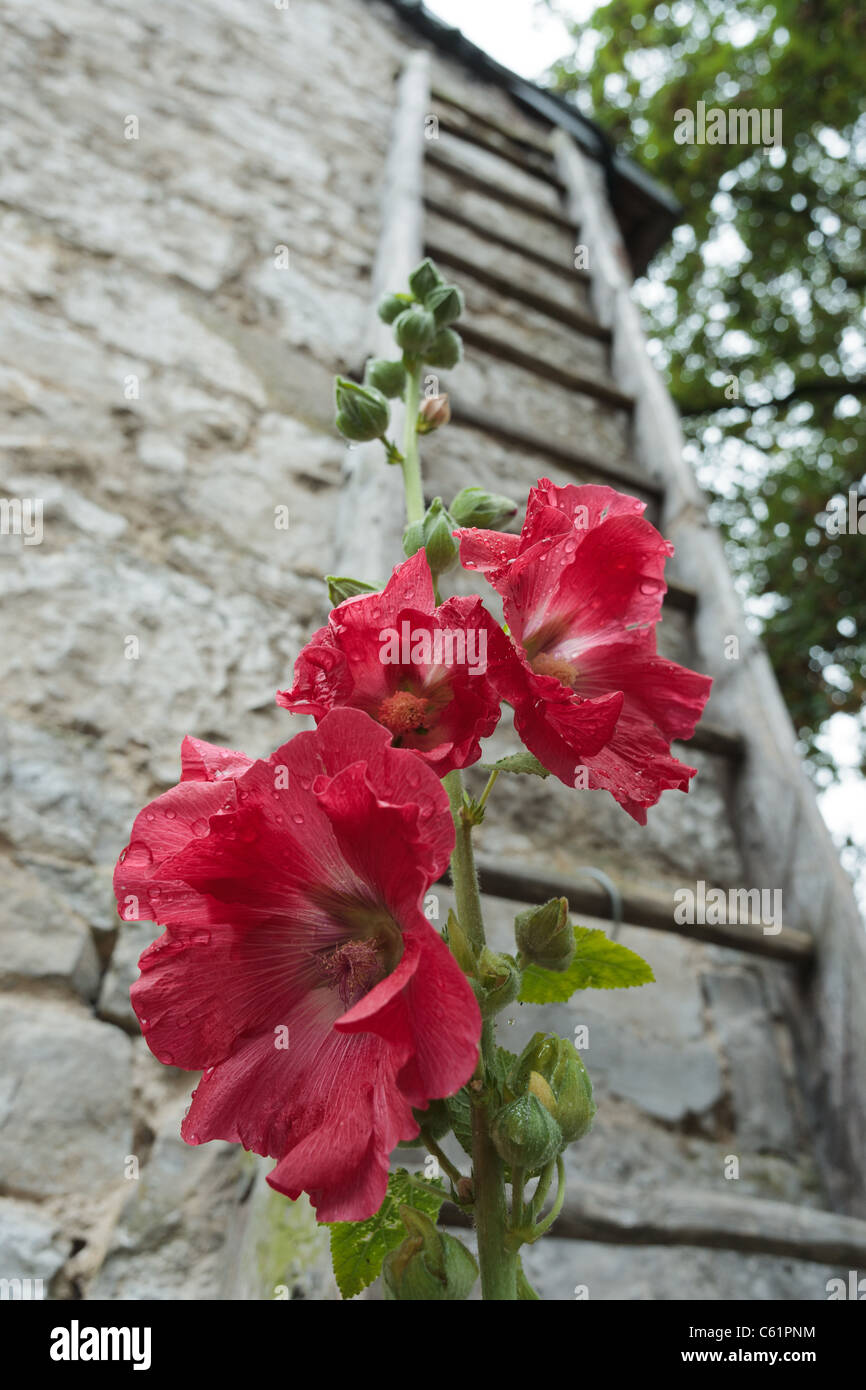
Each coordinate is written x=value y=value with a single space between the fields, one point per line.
x=463 y=872
x=444 y=1161
x=491 y=782
x=518 y=1182
x=548 y=1221
x=541 y=1191
x=411 y=464
x=497 y=1262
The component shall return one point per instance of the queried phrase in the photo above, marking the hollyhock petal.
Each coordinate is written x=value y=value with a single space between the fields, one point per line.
x=488 y=552
x=291 y=891
x=584 y=506
x=582 y=591
x=206 y=762
x=417 y=669
x=430 y=983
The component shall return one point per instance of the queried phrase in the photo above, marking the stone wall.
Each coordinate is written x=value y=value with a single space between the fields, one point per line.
x=174 y=308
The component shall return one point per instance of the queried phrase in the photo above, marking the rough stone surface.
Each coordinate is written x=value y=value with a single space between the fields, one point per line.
x=31 y=1246
x=65 y=1112
x=175 y=307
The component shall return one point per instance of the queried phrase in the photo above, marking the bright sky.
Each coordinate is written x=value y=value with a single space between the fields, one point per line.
x=527 y=37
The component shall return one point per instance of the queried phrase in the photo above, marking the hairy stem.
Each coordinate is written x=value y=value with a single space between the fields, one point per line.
x=411 y=464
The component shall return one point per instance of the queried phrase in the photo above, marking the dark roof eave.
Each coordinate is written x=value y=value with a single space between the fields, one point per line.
x=653 y=210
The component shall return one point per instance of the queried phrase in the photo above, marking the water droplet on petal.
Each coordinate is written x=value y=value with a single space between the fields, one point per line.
x=200 y=828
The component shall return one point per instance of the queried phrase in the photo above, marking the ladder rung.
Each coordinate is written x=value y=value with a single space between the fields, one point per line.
x=572 y=318
x=677 y=1216
x=500 y=194
x=526 y=163
x=656 y=911
x=519 y=248
x=538 y=145
x=617 y=474
x=562 y=376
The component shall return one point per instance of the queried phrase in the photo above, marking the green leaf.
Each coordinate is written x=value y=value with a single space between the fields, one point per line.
x=459 y=1109
x=519 y=762
x=599 y=963
x=359 y=1247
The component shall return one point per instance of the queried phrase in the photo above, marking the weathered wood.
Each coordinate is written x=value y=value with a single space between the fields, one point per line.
x=511 y=289
x=520 y=883
x=617 y=474
x=496 y=237
x=709 y=738
x=369 y=524
x=528 y=164
x=682 y=597
x=499 y=193
x=539 y=145
x=783 y=837
x=531 y=362
x=696 y=1216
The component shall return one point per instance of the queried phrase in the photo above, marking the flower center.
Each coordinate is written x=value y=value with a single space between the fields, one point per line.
x=557 y=666
x=403 y=712
x=353 y=969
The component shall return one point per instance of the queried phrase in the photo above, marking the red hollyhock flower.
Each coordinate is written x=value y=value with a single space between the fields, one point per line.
x=417 y=669
x=297 y=968
x=582 y=588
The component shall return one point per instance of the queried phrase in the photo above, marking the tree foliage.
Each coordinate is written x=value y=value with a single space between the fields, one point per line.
x=757 y=307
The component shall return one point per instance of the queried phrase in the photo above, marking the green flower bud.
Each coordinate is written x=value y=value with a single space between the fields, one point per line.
x=500 y=980
x=390 y=305
x=424 y=279
x=362 y=411
x=525 y=1133
x=552 y=1069
x=545 y=935
x=341 y=587
x=474 y=507
x=415 y=330
x=387 y=377
x=446 y=349
x=430 y=1266
x=413 y=538
x=439 y=543
x=446 y=304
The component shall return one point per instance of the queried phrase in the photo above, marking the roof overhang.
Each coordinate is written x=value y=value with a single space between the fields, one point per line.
x=645 y=210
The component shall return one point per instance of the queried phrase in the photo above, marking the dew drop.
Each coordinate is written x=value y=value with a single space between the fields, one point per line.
x=298 y=819
x=199 y=828
x=170 y=815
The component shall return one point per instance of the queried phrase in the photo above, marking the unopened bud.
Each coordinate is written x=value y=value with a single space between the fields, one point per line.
x=415 y=330
x=545 y=936
x=445 y=350
x=488 y=510
x=435 y=412
x=424 y=279
x=525 y=1133
x=500 y=981
x=552 y=1069
x=387 y=377
x=430 y=1266
x=439 y=542
x=390 y=305
x=362 y=411
x=413 y=538
x=445 y=303
x=341 y=587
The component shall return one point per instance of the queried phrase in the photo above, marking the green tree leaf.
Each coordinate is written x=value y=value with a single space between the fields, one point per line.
x=359 y=1247
x=599 y=963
